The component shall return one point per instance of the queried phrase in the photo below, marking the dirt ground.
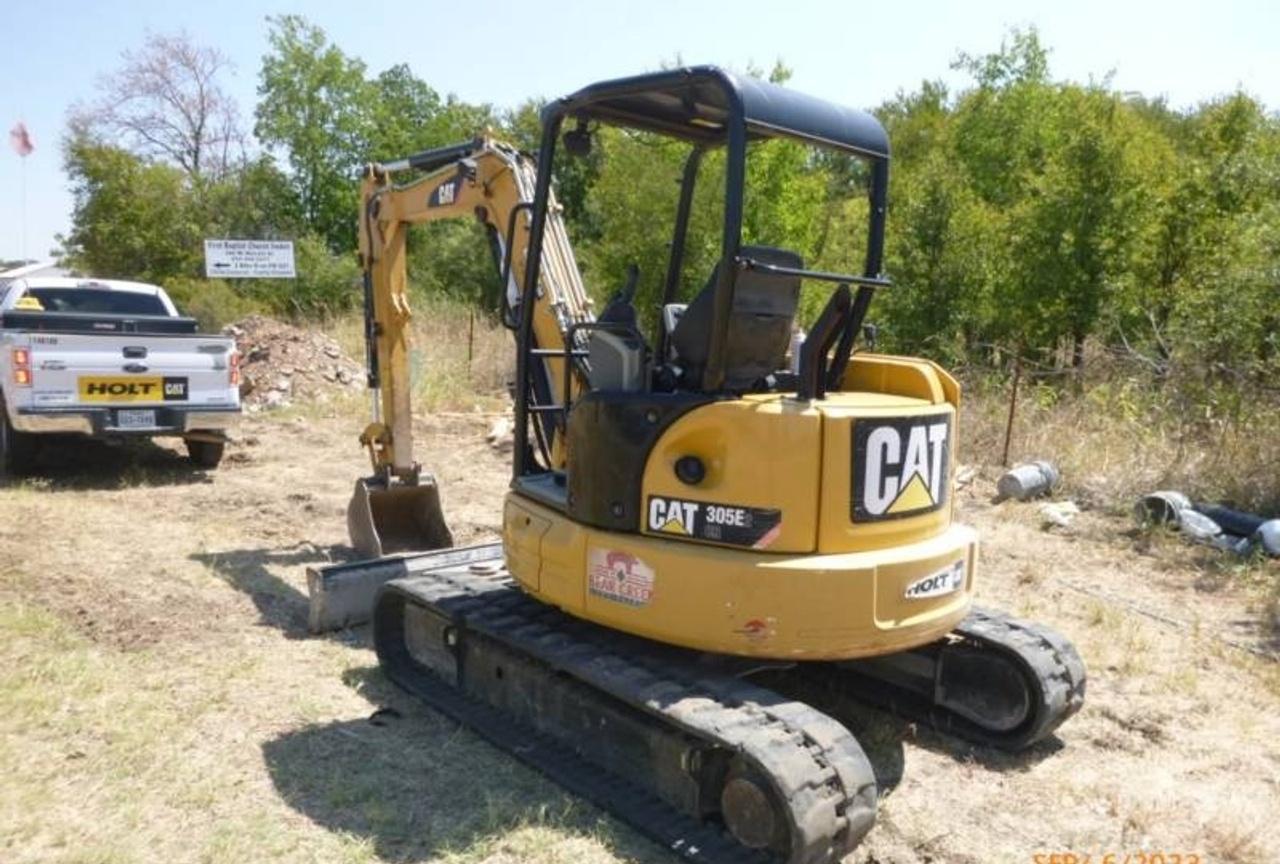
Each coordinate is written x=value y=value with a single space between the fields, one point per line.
x=161 y=700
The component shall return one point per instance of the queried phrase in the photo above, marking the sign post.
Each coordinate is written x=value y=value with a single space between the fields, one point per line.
x=249 y=259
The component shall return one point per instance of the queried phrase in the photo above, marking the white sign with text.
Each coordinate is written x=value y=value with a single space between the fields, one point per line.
x=249 y=259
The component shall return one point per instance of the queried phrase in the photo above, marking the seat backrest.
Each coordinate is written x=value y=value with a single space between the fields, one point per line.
x=764 y=307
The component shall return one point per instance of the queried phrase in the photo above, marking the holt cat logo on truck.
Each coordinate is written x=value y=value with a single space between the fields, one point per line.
x=147 y=389
x=899 y=466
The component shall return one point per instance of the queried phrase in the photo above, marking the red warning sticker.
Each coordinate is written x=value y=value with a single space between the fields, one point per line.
x=619 y=576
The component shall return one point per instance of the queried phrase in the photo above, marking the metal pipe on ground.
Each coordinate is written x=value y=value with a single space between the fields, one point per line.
x=1161 y=507
x=1228 y=529
x=1027 y=481
x=1232 y=521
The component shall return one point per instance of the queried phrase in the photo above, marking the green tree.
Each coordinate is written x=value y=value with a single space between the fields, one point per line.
x=409 y=116
x=131 y=219
x=316 y=106
x=1078 y=223
x=1220 y=242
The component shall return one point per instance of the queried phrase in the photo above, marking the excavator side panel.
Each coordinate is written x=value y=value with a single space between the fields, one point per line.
x=742 y=601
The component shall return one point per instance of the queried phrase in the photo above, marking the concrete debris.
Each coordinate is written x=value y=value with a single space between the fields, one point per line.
x=1027 y=481
x=965 y=475
x=280 y=363
x=1058 y=514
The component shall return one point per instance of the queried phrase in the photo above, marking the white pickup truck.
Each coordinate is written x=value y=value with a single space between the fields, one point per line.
x=108 y=358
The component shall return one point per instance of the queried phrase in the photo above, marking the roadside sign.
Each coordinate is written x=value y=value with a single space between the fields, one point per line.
x=249 y=259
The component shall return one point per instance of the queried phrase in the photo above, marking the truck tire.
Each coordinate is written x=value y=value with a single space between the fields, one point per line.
x=17 y=449
x=205 y=454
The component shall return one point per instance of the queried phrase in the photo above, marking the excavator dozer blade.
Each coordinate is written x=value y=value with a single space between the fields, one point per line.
x=398 y=518
x=344 y=594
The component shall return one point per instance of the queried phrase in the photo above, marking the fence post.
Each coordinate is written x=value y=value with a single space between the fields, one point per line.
x=471 y=336
x=1013 y=404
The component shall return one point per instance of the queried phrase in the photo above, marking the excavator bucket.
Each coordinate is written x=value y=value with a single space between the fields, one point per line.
x=383 y=519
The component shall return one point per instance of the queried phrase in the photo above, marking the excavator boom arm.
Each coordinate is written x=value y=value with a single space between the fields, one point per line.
x=493 y=183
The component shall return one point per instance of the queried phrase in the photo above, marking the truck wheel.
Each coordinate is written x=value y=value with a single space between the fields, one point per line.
x=17 y=449
x=205 y=454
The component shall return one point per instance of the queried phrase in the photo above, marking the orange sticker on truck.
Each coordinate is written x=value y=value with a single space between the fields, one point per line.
x=619 y=576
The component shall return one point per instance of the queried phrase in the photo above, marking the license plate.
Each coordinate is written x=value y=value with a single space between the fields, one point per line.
x=134 y=418
x=132 y=388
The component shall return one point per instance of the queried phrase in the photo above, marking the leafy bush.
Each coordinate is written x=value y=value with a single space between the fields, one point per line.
x=212 y=302
x=327 y=284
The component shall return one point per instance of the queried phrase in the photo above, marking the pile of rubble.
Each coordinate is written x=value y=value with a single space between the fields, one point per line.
x=280 y=364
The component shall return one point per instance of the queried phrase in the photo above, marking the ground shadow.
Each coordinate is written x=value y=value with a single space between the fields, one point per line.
x=280 y=604
x=76 y=462
x=418 y=786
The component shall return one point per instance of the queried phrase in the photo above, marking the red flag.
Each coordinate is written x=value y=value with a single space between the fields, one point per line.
x=20 y=140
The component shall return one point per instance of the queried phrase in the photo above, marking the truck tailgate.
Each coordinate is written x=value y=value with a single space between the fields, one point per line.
x=103 y=370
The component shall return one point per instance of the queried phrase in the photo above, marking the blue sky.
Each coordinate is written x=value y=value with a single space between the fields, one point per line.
x=501 y=52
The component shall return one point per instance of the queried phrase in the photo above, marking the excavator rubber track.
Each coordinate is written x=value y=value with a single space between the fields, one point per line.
x=994 y=680
x=675 y=743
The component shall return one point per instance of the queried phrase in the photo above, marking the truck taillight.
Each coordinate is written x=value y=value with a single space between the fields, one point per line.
x=233 y=369
x=22 y=367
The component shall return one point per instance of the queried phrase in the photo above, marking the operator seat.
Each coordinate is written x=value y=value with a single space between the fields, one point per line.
x=764 y=307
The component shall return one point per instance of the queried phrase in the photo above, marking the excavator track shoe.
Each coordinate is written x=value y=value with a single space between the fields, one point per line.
x=713 y=767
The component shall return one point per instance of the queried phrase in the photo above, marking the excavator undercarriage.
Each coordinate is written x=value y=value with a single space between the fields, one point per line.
x=706 y=753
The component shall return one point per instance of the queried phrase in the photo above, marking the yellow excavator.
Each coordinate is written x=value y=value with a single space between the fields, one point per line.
x=708 y=554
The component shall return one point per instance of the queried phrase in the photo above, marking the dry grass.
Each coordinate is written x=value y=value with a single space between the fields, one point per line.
x=459 y=359
x=159 y=698
x=1121 y=438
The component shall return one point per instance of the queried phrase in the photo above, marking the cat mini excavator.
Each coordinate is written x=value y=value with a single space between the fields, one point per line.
x=705 y=556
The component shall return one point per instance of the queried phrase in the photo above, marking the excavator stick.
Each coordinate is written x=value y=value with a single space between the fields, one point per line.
x=383 y=518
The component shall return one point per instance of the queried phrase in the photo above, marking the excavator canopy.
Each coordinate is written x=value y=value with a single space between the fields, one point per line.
x=701 y=104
